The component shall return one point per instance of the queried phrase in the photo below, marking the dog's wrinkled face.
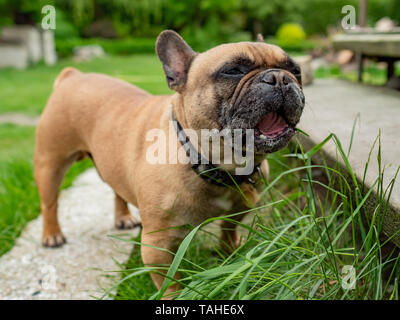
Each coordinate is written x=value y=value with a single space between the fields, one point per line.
x=246 y=85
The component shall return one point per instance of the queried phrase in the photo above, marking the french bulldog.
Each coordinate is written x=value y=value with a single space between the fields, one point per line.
x=247 y=85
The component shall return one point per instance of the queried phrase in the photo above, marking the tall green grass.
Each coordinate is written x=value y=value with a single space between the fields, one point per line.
x=311 y=224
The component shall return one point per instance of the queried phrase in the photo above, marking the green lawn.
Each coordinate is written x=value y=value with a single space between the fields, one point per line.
x=27 y=90
x=16 y=142
x=18 y=195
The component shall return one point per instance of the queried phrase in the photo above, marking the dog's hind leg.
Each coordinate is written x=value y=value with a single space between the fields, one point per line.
x=49 y=174
x=123 y=217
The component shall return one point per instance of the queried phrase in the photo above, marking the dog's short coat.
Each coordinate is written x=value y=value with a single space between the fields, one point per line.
x=89 y=114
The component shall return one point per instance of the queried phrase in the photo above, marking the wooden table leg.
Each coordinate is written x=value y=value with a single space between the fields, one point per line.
x=390 y=68
x=360 y=60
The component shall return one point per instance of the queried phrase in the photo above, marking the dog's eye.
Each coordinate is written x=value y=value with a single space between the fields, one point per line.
x=236 y=71
x=296 y=71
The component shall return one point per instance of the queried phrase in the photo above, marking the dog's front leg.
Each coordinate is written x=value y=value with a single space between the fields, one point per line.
x=123 y=217
x=168 y=241
x=229 y=237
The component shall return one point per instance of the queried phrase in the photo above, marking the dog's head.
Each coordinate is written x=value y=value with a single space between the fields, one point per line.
x=245 y=85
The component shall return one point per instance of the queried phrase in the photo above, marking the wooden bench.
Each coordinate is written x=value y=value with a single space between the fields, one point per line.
x=380 y=46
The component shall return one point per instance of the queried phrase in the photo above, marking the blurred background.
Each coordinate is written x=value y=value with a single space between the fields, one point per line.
x=94 y=28
x=204 y=23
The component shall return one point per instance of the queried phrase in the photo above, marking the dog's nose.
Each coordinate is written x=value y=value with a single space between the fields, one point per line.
x=276 y=78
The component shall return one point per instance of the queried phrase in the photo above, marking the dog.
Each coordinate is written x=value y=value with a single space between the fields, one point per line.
x=246 y=85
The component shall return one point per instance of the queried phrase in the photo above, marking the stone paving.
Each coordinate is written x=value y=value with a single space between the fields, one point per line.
x=78 y=269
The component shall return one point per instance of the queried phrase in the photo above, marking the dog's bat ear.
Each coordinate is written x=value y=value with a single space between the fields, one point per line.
x=176 y=56
x=260 y=38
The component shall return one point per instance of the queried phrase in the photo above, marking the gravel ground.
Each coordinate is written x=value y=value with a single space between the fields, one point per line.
x=81 y=268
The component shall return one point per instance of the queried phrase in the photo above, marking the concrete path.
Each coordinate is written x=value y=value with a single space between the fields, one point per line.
x=332 y=106
x=19 y=119
x=75 y=271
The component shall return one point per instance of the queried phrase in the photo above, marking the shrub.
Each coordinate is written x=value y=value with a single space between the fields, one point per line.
x=300 y=48
x=214 y=32
x=64 y=28
x=290 y=34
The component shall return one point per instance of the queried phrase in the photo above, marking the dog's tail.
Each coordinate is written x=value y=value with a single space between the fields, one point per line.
x=65 y=73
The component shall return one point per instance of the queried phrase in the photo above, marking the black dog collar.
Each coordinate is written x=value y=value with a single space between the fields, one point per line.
x=207 y=170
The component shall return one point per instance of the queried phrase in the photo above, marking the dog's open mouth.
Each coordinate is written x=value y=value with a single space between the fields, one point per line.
x=272 y=133
x=271 y=125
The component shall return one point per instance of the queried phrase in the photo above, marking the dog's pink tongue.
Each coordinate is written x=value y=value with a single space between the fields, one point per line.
x=272 y=124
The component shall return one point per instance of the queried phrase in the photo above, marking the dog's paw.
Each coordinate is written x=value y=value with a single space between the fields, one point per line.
x=126 y=222
x=53 y=240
